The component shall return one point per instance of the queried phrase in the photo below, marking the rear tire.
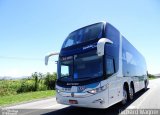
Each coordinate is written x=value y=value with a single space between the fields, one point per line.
x=145 y=85
x=131 y=93
x=125 y=96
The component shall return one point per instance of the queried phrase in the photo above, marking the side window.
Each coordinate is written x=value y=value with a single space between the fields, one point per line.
x=69 y=42
x=64 y=70
x=112 y=33
x=110 y=66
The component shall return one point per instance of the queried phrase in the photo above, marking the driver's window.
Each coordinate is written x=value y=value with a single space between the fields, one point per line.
x=64 y=70
x=110 y=69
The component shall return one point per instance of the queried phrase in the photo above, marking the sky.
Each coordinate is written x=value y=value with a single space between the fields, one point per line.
x=30 y=29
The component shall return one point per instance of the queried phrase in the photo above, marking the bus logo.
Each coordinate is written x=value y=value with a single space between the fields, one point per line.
x=90 y=46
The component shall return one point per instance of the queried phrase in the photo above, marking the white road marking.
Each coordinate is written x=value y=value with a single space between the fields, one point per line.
x=57 y=105
x=131 y=107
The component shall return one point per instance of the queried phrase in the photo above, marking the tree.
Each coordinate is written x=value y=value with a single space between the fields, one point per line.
x=38 y=79
x=50 y=81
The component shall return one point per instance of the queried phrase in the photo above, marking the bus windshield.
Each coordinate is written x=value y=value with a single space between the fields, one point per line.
x=84 y=34
x=85 y=66
x=88 y=67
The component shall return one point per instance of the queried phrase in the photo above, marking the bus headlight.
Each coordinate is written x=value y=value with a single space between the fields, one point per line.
x=57 y=90
x=97 y=90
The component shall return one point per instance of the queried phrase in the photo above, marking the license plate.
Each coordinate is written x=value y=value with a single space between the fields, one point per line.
x=73 y=101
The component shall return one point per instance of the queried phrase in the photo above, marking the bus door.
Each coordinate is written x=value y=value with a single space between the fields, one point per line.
x=110 y=70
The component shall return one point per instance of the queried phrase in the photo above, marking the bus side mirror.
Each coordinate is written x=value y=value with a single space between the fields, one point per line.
x=49 y=55
x=100 y=45
x=46 y=60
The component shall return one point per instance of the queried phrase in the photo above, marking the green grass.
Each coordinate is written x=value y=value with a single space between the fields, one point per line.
x=24 y=97
x=151 y=78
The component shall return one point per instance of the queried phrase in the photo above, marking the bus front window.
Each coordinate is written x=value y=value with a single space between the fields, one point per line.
x=81 y=66
x=83 y=35
x=66 y=69
x=88 y=67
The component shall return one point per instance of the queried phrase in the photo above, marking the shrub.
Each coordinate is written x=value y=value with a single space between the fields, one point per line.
x=37 y=82
x=42 y=87
x=9 y=87
x=26 y=86
x=50 y=80
x=151 y=76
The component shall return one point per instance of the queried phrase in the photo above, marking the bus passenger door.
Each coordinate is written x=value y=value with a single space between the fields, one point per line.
x=113 y=90
x=113 y=87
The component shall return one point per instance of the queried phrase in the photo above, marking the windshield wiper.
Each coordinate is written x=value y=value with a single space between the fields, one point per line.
x=65 y=77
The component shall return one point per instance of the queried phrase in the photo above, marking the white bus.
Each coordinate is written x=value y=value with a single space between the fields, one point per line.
x=97 y=67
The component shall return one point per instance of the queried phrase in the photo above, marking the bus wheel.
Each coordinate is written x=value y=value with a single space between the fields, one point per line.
x=124 y=100
x=145 y=85
x=131 y=93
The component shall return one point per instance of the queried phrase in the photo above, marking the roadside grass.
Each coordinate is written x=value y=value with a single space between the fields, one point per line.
x=24 y=97
x=151 y=78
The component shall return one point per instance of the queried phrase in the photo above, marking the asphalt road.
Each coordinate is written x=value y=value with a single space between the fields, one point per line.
x=149 y=99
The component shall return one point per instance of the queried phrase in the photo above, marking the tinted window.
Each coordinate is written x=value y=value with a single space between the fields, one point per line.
x=133 y=62
x=81 y=66
x=113 y=50
x=84 y=34
x=65 y=70
x=112 y=34
x=109 y=66
x=66 y=67
x=88 y=65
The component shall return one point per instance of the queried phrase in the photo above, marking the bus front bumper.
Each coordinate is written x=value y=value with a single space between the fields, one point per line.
x=99 y=100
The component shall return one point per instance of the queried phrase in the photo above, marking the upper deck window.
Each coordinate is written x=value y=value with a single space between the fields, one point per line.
x=112 y=33
x=84 y=34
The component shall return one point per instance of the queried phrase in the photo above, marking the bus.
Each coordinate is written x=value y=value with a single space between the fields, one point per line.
x=98 y=67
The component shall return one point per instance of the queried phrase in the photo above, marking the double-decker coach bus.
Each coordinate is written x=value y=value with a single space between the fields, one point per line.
x=98 y=67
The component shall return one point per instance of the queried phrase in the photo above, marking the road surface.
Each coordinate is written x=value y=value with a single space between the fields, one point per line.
x=149 y=99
